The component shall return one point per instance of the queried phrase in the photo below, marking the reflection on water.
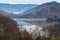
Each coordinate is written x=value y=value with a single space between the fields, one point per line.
x=34 y=27
x=22 y=23
x=31 y=25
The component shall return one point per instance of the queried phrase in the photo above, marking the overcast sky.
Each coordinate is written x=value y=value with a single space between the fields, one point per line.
x=26 y=1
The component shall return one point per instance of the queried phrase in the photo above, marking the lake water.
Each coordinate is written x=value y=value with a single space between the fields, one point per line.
x=30 y=21
x=31 y=24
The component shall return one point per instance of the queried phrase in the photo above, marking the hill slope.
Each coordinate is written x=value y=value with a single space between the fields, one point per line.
x=45 y=10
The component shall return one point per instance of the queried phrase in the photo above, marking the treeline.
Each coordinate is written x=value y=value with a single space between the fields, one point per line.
x=9 y=30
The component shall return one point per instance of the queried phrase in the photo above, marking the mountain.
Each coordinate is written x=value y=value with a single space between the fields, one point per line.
x=16 y=7
x=50 y=9
x=45 y=10
x=13 y=9
x=8 y=14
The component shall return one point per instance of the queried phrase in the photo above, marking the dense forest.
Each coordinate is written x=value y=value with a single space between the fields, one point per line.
x=9 y=30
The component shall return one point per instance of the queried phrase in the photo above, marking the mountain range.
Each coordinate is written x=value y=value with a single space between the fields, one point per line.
x=45 y=10
x=16 y=7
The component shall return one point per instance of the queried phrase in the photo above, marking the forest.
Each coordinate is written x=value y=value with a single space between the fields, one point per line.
x=9 y=30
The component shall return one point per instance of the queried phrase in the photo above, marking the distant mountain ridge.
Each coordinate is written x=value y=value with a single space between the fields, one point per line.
x=45 y=10
x=16 y=7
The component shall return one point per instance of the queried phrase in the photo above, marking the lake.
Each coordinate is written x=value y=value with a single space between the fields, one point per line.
x=29 y=22
x=30 y=25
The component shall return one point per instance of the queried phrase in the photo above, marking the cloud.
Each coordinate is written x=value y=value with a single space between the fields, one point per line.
x=27 y=1
x=3 y=1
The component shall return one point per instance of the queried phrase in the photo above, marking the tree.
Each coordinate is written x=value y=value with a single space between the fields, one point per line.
x=8 y=28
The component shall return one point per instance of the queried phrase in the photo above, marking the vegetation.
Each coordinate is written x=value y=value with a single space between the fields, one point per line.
x=9 y=30
x=54 y=28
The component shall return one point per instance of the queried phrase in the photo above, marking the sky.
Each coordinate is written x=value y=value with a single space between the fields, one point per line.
x=26 y=1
